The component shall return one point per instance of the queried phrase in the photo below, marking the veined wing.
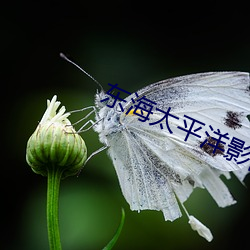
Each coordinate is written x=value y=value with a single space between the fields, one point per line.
x=208 y=90
x=152 y=169
x=220 y=101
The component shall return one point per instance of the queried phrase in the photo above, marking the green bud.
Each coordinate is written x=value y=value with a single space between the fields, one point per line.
x=55 y=144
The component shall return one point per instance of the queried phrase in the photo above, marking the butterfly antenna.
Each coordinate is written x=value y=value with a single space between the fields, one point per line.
x=68 y=60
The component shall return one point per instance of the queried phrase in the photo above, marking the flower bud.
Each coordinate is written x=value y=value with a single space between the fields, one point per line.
x=55 y=144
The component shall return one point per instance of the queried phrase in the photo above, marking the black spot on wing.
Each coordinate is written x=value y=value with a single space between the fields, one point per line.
x=209 y=149
x=233 y=119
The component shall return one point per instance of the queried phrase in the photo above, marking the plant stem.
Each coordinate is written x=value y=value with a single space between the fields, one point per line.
x=54 y=177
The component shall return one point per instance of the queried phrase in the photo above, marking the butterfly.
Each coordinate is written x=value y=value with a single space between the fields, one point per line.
x=158 y=168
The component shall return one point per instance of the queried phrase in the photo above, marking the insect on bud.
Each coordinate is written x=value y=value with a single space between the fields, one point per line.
x=55 y=144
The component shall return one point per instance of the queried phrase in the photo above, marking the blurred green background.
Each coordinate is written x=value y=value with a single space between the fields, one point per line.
x=116 y=42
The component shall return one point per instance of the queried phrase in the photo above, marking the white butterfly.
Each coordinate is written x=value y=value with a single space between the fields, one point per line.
x=158 y=170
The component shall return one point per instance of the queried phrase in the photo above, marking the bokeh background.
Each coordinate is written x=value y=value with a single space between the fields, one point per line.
x=125 y=42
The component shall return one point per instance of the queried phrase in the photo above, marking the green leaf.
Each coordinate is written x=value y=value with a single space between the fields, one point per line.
x=117 y=234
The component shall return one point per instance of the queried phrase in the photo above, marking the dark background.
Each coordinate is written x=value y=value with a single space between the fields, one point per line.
x=125 y=42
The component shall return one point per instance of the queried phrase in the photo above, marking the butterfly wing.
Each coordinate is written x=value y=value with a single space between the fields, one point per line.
x=218 y=100
x=154 y=166
x=153 y=169
x=143 y=186
x=220 y=87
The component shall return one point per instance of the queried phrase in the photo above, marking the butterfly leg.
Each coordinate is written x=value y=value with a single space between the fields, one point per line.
x=86 y=116
x=91 y=155
x=96 y=152
x=81 y=129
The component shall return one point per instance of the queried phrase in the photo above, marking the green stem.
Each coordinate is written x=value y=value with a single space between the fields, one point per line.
x=54 y=177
